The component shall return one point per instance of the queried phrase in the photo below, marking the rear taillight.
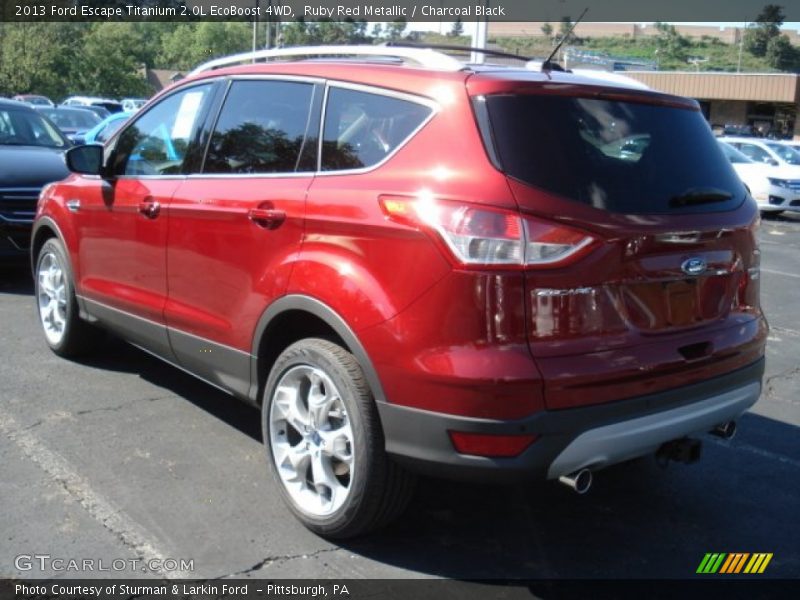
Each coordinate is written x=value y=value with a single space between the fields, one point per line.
x=482 y=236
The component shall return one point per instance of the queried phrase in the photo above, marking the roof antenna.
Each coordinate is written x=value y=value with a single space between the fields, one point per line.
x=547 y=65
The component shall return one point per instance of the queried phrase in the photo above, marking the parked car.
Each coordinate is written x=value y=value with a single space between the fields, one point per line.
x=34 y=99
x=767 y=151
x=74 y=122
x=133 y=104
x=110 y=105
x=417 y=265
x=104 y=129
x=98 y=110
x=772 y=187
x=31 y=155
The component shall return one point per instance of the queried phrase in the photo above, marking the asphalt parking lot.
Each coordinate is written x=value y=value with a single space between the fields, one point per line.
x=121 y=456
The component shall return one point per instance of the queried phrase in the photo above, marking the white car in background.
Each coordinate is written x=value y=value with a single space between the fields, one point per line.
x=770 y=152
x=774 y=188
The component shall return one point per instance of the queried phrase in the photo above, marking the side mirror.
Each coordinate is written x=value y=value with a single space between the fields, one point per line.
x=87 y=160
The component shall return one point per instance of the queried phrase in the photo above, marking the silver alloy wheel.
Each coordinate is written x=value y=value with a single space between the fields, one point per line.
x=52 y=297
x=311 y=440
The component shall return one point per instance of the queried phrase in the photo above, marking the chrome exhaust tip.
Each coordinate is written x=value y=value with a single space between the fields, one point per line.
x=725 y=430
x=580 y=481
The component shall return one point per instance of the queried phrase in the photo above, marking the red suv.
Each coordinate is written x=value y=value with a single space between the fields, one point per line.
x=416 y=265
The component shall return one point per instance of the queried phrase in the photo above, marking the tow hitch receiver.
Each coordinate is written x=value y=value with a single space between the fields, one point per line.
x=684 y=450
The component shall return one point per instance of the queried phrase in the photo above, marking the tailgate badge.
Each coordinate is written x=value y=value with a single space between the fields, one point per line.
x=694 y=266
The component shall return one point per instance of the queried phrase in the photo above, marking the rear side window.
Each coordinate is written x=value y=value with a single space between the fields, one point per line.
x=261 y=128
x=362 y=128
x=623 y=157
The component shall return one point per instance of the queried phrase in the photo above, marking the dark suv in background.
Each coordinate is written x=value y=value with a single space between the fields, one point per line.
x=416 y=265
x=31 y=155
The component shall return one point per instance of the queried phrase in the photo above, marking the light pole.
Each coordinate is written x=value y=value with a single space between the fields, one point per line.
x=741 y=47
x=255 y=27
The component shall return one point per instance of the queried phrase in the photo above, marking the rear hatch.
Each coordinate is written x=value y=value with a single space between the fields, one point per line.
x=664 y=290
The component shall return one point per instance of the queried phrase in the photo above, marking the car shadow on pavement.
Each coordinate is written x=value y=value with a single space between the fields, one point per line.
x=638 y=520
x=120 y=356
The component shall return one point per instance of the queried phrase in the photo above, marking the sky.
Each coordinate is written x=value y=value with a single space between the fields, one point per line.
x=444 y=27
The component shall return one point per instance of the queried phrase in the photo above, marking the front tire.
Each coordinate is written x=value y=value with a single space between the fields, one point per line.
x=325 y=445
x=64 y=331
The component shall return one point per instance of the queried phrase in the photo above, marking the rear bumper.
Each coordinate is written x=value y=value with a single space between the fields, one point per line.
x=570 y=439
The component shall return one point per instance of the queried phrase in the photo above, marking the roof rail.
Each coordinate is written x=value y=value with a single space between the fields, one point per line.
x=421 y=56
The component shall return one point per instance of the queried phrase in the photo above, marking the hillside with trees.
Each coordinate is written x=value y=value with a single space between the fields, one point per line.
x=107 y=58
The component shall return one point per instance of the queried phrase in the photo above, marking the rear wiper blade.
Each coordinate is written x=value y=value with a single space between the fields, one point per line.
x=700 y=196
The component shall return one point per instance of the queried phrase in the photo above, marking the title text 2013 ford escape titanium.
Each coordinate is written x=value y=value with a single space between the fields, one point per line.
x=417 y=265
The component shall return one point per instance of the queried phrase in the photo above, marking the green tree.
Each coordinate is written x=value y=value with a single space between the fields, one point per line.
x=107 y=63
x=547 y=30
x=190 y=44
x=670 y=43
x=37 y=57
x=396 y=29
x=782 y=55
x=457 y=29
x=564 y=33
x=766 y=27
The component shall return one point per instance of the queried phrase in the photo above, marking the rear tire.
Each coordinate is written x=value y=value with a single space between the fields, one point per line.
x=325 y=445
x=65 y=332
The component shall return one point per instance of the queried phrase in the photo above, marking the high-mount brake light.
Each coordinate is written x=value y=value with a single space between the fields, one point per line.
x=485 y=236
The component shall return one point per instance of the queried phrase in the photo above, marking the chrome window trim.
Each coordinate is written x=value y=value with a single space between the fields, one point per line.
x=377 y=91
x=111 y=144
x=313 y=81
x=328 y=84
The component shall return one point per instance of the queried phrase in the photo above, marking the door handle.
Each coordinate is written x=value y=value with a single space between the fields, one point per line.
x=150 y=208
x=268 y=218
x=73 y=205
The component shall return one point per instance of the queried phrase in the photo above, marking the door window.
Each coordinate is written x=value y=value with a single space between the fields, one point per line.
x=755 y=153
x=362 y=129
x=261 y=128
x=157 y=142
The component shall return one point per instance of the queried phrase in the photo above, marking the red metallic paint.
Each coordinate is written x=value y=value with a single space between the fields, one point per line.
x=121 y=251
x=441 y=338
x=223 y=267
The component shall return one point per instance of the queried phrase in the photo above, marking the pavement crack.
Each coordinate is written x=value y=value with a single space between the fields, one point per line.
x=277 y=559
x=32 y=425
x=769 y=389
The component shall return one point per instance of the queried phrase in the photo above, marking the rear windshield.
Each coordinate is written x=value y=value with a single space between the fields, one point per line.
x=623 y=157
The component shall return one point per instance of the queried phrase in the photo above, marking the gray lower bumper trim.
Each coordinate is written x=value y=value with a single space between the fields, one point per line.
x=603 y=446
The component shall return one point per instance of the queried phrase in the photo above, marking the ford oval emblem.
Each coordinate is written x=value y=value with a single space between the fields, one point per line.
x=694 y=266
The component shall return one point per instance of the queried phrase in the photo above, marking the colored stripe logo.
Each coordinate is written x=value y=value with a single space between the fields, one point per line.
x=734 y=563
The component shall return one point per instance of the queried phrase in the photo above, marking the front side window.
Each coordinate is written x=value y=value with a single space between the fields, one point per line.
x=157 y=142
x=27 y=128
x=109 y=130
x=361 y=128
x=261 y=128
